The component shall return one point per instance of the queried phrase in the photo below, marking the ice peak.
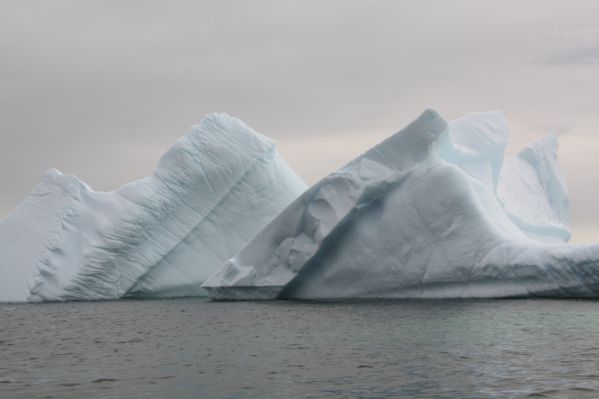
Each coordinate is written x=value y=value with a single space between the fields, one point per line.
x=52 y=173
x=429 y=126
x=223 y=121
x=545 y=147
x=410 y=145
x=53 y=180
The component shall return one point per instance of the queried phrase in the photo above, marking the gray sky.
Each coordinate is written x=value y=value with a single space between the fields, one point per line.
x=101 y=89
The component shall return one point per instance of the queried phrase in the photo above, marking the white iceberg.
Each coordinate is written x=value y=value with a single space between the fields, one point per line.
x=160 y=236
x=434 y=211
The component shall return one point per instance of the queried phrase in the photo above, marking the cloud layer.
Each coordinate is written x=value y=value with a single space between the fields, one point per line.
x=102 y=88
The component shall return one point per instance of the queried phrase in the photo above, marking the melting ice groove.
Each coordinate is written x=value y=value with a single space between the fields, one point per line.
x=434 y=211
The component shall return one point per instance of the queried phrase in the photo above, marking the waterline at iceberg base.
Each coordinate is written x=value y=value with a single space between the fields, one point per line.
x=434 y=211
x=160 y=236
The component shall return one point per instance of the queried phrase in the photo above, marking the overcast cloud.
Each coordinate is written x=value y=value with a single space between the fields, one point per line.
x=101 y=89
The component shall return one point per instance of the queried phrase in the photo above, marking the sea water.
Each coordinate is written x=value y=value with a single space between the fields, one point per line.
x=193 y=348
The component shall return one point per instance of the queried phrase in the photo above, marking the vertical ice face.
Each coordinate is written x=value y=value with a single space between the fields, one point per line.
x=477 y=142
x=431 y=212
x=534 y=192
x=527 y=190
x=159 y=236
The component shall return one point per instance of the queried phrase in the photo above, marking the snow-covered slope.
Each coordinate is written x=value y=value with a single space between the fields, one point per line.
x=434 y=211
x=160 y=236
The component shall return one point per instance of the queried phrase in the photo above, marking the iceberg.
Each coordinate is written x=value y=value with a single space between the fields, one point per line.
x=434 y=211
x=162 y=235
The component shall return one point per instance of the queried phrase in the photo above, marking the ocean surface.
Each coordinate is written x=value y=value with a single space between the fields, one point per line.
x=191 y=348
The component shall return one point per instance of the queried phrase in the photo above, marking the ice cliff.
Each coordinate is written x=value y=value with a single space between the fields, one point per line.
x=160 y=236
x=434 y=211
